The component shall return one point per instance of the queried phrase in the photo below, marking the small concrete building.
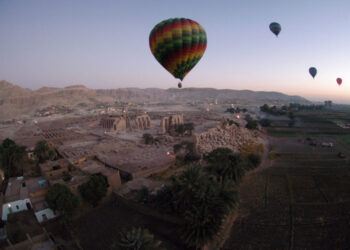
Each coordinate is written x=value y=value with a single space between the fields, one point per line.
x=24 y=194
x=51 y=169
x=91 y=167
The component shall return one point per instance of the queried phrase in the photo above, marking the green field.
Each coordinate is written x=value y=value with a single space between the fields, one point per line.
x=344 y=139
x=303 y=198
x=314 y=124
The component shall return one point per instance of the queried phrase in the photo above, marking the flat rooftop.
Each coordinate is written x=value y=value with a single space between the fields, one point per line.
x=95 y=167
x=19 y=188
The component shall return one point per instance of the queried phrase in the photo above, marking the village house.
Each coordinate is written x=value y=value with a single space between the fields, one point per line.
x=63 y=172
x=91 y=167
x=23 y=193
x=78 y=172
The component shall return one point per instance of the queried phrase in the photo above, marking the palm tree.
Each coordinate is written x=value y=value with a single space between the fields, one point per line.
x=138 y=239
x=44 y=151
x=189 y=127
x=224 y=163
x=188 y=186
x=11 y=157
x=203 y=220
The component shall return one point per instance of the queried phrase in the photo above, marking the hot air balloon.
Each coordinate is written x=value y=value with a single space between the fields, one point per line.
x=339 y=81
x=178 y=44
x=313 y=71
x=179 y=85
x=275 y=28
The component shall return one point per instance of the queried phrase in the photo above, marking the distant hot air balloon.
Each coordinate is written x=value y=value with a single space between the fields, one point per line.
x=275 y=28
x=313 y=71
x=180 y=85
x=339 y=81
x=178 y=44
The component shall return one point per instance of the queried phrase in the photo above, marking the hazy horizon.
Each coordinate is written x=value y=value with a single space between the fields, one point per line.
x=104 y=44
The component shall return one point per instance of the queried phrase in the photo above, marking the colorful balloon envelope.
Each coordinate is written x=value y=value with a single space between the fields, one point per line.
x=313 y=71
x=178 y=44
x=275 y=28
x=339 y=81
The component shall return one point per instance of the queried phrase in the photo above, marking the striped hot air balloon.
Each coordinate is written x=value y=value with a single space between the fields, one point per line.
x=178 y=44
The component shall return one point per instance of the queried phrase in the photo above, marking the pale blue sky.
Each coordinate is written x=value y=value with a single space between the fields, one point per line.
x=104 y=44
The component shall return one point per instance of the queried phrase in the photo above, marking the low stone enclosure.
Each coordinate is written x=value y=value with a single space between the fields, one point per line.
x=232 y=137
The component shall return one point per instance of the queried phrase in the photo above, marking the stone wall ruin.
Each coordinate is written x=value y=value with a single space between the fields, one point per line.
x=168 y=122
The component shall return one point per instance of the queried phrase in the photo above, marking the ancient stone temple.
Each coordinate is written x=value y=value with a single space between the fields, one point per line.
x=142 y=122
x=168 y=122
x=113 y=124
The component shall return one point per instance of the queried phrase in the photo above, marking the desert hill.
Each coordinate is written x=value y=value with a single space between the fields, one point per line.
x=15 y=100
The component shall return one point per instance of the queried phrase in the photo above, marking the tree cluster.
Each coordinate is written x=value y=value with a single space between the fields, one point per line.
x=204 y=195
x=236 y=110
x=265 y=122
x=201 y=200
x=292 y=119
x=148 y=138
x=274 y=110
x=45 y=152
x=230 y=122
x=251 y=123
x=283 y=110
x=61 y=199
x=297 y=107
x=189 y=151
x=94 y=189
x=138 y=239
x=12 y=157
x=186 y=128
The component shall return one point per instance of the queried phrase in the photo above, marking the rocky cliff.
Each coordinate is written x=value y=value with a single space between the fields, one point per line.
x=15 y=100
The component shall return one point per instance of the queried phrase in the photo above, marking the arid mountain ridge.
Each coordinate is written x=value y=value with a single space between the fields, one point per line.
x=17 y=100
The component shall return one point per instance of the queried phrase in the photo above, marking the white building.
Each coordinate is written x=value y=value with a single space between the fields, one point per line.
x=25 y=194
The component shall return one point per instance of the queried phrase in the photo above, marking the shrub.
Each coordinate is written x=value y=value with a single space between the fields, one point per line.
x=12 y=157
x=224 y=163
x=60 y=198
x=138 y=239
x=148 y=138
x=233 y=122
x=177 y=148
x=254 y=160
x=272 y=156
x=265 y=122
x=142 y=195
x=252 y=124
x=45 y=152
x=94 y=189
